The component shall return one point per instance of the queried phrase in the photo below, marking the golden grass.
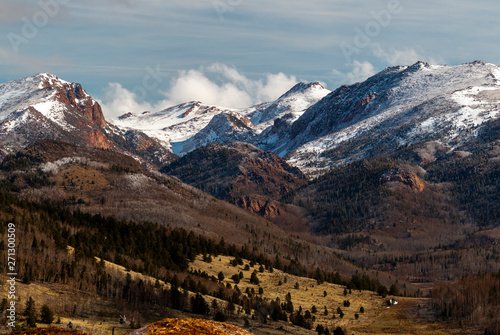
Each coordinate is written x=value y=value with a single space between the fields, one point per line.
x=62 y=300
x=409 y=316
x=308 y=294
x=80 y=178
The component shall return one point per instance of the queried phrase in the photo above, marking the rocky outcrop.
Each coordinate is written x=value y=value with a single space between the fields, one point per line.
x=268 y=208
x=44 y=106
x=74 y=95
x=409 y=179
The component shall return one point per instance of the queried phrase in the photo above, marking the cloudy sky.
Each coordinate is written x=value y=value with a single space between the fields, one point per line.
x=134 y=55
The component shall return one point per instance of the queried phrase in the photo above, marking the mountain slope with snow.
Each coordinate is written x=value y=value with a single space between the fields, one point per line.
x=398 y=107
x=290 y=105
x=191 y=125
x=174 y=124
x=315 y=128
x=46 y=107
x=310 y=126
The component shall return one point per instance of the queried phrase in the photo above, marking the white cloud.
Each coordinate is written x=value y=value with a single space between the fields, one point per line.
x=407 y=56
x=194 y=85
x=217 y=84
x=118 y=101
x=360 y=72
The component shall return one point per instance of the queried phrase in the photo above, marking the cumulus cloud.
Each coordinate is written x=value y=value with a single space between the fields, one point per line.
x=217 y=84
x=118 y=100
x=360 y=72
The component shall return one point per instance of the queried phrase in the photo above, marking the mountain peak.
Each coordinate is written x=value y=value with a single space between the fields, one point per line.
x=303 y=87
x=45 y=80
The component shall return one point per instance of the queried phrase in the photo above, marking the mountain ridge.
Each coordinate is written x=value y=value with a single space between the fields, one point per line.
x=314 y=128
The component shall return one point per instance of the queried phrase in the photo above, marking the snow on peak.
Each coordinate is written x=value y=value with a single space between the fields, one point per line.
x=398 y=106
x=291 y=105
x=303 y=87
x=41 y=92
x=174 y=124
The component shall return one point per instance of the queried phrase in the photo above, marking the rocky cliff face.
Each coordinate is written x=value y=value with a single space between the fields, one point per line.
x=72 y=94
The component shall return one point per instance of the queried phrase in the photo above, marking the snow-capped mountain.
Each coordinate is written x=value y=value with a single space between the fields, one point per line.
x=223 y=128
x=289 y=106
x=46 y=107
x=397 y=107
x=191 y=125
x=174 y=124
x=315 y=128
x=310 y=126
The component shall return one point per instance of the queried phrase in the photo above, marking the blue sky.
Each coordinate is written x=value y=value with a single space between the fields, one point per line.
x=147 y=54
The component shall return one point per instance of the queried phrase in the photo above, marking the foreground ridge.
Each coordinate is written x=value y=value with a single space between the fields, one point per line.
x=190 y=327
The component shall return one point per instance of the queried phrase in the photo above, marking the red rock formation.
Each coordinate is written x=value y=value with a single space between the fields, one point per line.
x=404 y=177
x=266 y=207
x=75 y=95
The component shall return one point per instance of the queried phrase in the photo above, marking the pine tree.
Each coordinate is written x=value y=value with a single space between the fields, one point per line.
x=47 y=315
x=30 y=313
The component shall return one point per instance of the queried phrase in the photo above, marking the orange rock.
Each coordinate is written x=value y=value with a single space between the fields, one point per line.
x=190 y=327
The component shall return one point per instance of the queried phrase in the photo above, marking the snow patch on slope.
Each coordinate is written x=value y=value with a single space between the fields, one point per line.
x=174 y=124
x=55 y=111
